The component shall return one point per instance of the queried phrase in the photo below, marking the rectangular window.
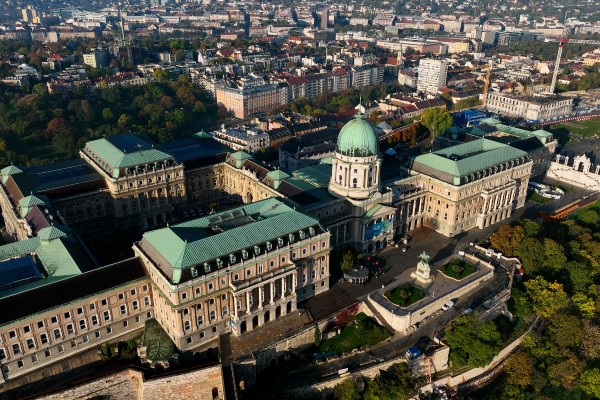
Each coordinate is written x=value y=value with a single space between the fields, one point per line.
x=57 y=334
x=97 y=333
x=34 y=358
x=147 y=301
x=48 y=353
x=94 y=320
x=186 y=325
x=92 y=306
x=135 y=305
x=213 y=315
x=86 y=339
x=54 y=320
x=224 y=311
x=20 y=364
x=109 y=330
x=125 y=323
x=82 y=324
x=200 y=320
x=79 y=311
x=61 y=348
x=12 y=334
x=145 y=288
x=123 y=309
x=2 y=354
x=70 y=329
x=121 y=296
x=132 y=292
x=210 y=286
x=16 y=348
x=183 y=296
x=40 y=324
x=30 y=344
x=26 y=329
x=313 y=274
x=106 y=315
x=197 y=291
x=104 y=302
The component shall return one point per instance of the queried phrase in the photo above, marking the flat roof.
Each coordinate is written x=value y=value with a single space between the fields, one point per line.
x=67 y=290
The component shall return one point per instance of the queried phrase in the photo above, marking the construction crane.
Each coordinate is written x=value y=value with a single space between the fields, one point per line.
x=561 y=44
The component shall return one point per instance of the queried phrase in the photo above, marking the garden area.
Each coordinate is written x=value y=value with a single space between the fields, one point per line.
x=405 y=295
x=458 y=269
x=361 y=330
x=159 y=346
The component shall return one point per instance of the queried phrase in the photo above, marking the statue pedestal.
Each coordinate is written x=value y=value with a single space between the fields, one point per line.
x=423 y=273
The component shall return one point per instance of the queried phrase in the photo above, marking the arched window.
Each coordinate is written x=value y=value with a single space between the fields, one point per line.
x=354 y=182
x=340 y=179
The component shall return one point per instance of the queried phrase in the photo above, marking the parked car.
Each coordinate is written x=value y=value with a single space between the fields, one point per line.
x=449 y=304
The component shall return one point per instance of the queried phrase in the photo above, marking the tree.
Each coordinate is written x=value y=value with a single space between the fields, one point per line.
x=590 y=343
x=347 y=261
x=565 y=330
x=519 y=368
x=396 y=383
x=436 y=120
x=57 y=125
x=471 y=342
x=346 y=390
x=554 y=255
x=161 y=75
x=548 y=298
x=585 y=305
x=529 y=251
x=507 y=238
x=589 y=382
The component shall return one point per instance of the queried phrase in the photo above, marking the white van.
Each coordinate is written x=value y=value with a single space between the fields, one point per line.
x=449 y=304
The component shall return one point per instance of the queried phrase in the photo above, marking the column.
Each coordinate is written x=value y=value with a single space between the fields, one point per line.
x=235 y=306
x=294 y=282
x=272 y=291
x=248 y=302
x=261 y=294
x=283 y=287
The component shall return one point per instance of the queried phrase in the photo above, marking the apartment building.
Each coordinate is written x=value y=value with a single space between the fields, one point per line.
x=244 y=102
x=242 y=138
x=433 y=75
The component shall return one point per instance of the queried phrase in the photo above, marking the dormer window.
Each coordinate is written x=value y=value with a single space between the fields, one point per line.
x=269 y=246
x=206 y=267
x=291 y=237
x=245 y=254
x=311 y=231
x=232 y=259
x=256 y=250
x=194 y=271
x=219 y=263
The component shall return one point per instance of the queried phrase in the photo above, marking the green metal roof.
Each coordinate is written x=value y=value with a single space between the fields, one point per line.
x=6 y=172
x=542 y=135
x=239 y=157
x=469 y=157
x=357 y=138
x=54 y=252
x=27 y=203
x=193 y=242
x=125 y=151
x=277 y=176
x=51 y=232
x=317 y=175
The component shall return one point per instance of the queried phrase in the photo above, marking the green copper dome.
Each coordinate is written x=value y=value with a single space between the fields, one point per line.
x=357 y=138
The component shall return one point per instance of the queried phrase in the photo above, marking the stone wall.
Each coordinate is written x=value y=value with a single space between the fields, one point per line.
x=200 y=384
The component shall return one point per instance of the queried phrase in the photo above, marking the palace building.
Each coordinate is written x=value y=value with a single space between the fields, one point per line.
x=230 y=271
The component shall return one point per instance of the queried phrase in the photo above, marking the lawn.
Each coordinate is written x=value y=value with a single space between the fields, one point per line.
x=159 y=345
x=361 y=330
x=405 y=295
x=458 y=269
x=583 y=128
x=589 y=216
x=538 y=198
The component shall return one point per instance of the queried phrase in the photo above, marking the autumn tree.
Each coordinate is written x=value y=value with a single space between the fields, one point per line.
x=519 y=368
x=507 y=238
x=547 y=298
x=436 y=120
